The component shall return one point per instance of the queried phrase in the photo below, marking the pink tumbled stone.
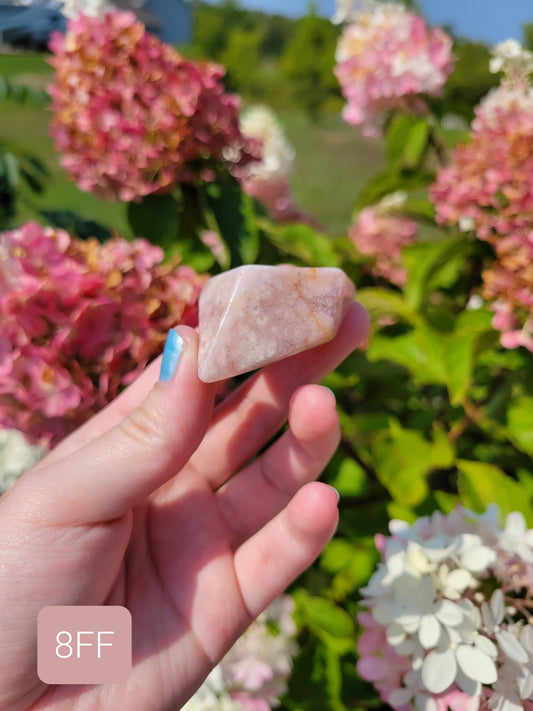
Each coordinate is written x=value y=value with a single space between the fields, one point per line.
x=255 y=315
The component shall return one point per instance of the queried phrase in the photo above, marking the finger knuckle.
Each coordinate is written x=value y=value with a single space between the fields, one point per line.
x=141 y=428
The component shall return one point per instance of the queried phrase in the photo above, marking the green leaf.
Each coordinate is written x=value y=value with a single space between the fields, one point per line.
x=402 y=513
x=433 y=265
x=481 y=484
x=304 y=243
x=233 y=212
x=351 y=564
x=520 y=423
x=333 y=677
x=420 y=351
x=336 y=555
x=406 y=141
x=156 y=218
x=416 y=143
x=22 y=94
x=308 y=689
x=383 y=302
x=17 y=92
x=359 y=569
x=404 y=457
x=351 y=478
x=445 y=501
x=34 y=183
x=401 y=463
x=37 y=98
x=317 y=678
x=419 y=209
x=36 y=165
x=526 y=481
x=325 y=616
x=473 y=334
x=442 y=454
x=395 y=138
x=10 y=170
x=389 y=181
x=76 y=224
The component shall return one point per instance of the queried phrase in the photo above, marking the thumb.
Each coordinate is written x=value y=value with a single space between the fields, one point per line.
x=119 y=469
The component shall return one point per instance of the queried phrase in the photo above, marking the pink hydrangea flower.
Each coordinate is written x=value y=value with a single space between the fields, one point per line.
x=508 y=285
x=378 y=662
x=79 y=321
x=489 y=177
x=488 y=187
x=131 y=116
x=386 y=58
x=253 y=675
x=381 y=232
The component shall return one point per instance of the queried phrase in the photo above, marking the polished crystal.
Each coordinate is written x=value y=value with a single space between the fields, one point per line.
x=254 y=315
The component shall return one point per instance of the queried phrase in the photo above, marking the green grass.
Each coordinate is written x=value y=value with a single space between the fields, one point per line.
x=333 y=160
x=26 y=129
x=15 y=64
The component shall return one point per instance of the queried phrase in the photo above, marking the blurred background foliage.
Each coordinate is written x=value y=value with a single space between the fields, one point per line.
x=283 y=62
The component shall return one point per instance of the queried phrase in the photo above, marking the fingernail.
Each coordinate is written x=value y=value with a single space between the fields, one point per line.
x=338 y=495
x=171 y=355
x=331 y=391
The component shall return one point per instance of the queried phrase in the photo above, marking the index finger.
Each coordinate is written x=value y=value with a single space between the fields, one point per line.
x=247 y=419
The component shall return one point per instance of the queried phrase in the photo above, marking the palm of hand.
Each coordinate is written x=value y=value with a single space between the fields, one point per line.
x=195 y=560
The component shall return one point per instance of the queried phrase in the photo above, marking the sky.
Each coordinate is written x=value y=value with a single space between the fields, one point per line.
x=491 y=21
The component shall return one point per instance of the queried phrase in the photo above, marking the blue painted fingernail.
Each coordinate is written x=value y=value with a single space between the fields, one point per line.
x=171 y=355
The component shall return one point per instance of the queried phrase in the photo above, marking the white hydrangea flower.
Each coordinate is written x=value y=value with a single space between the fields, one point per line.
x=462 y=655
x=277 y=160
x=511 y=56
x=506 y=96
x=92 y=8
x=525 y=675
x=392 y=202
x=453 y=582
x=493 y=616
x=418 y=617
x=475 y=302
x=516 y=538
x=466 y=224
x=515 y=679
x=472 y=554
x=16 y=457
x=429 y=597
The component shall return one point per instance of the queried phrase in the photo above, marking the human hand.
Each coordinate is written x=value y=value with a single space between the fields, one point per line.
x=158 y=504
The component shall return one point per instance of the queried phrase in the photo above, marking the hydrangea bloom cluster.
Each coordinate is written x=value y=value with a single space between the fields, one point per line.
x=79 y=321
x=386 y=58
x=17 y=455
x=514 y=61
x=93 y=8
x=487 y=189
x=268 y=180
x=253 y=675
x=450 y=613
x=381 y=232
x=131 y=116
